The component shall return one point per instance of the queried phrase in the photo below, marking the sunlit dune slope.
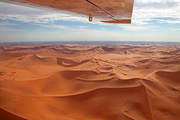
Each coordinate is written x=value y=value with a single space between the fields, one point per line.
x=90 y=82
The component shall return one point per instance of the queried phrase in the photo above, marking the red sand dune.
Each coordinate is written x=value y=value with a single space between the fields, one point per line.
x=90 y=82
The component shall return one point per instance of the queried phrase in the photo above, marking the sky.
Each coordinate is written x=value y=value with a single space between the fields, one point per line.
x=152 y=20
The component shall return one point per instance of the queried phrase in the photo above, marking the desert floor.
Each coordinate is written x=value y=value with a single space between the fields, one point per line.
x=90 y=82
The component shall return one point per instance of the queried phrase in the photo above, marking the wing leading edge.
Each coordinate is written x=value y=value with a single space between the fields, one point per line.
x=108 y=11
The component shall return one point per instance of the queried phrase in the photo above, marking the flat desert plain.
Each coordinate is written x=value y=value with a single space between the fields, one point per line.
x=90 y=82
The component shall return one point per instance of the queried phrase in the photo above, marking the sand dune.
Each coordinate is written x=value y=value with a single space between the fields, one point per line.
x=89 y=82
x=9 y=116
x=169 y=78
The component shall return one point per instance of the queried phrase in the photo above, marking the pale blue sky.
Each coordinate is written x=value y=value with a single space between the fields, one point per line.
x=152 y=20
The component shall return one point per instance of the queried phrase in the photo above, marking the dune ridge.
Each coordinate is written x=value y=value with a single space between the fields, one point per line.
x=89 y=82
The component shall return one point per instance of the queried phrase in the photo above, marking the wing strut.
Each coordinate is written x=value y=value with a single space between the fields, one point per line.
x=100 y=8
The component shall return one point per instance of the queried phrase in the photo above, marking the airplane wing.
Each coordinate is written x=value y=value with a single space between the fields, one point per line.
x=108 y=11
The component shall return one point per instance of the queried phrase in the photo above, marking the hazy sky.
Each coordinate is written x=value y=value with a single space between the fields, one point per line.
x=152 y=20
